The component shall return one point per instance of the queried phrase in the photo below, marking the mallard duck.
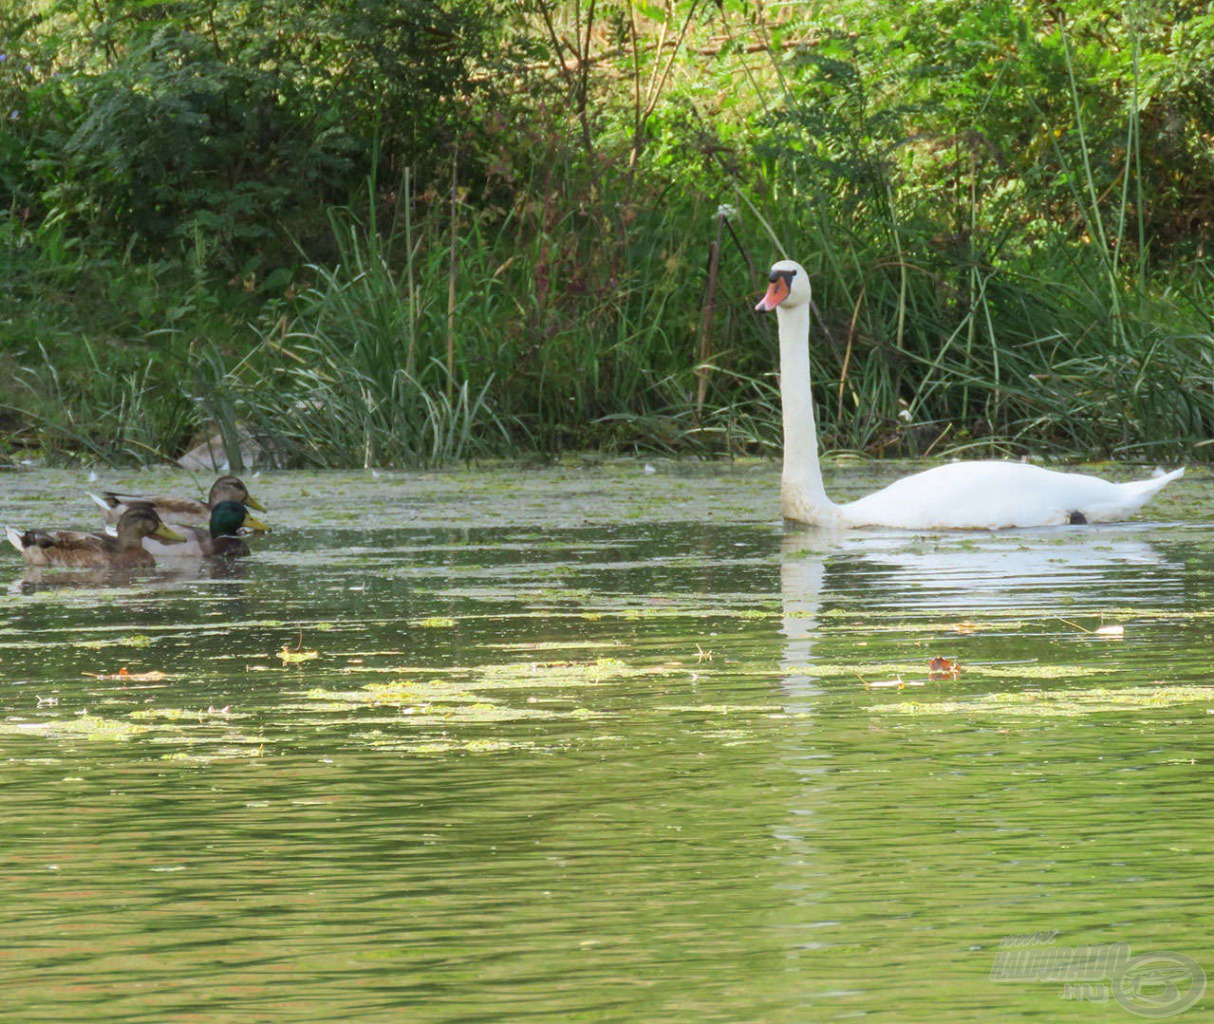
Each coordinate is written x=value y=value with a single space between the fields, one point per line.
x=220 y=539
x=93 y=550
x=226 y=488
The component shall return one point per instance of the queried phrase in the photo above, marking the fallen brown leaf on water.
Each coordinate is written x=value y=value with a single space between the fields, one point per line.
x=125 y=676
x=944 y=668
x=966 y=627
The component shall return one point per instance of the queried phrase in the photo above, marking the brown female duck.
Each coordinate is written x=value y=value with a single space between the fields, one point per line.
x=96 y=550
x=226 y=488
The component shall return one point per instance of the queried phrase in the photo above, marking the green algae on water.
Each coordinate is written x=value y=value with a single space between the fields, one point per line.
x=85 y=726
x=1056 y=703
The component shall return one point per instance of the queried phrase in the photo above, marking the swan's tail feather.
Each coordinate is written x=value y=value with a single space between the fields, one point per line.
x=1154 y=484
x=1138 y=492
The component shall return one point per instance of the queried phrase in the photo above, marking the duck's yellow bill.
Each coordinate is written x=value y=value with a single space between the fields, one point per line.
x=254 y=524
x=168 y=535
x=252 y=502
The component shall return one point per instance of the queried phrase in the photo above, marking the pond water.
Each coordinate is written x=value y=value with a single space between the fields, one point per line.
x=595 y=743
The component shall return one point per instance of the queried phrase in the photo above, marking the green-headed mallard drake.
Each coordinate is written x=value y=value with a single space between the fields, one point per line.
x=226 y=488
x=96 y=550
x=220 y=539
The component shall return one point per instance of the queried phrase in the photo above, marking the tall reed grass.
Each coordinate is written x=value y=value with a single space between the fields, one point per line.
x=354 y=371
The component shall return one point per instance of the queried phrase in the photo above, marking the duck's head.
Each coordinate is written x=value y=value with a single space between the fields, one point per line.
x=228 y=517
x=788 y=286
x=232 y=488
x=140 y=520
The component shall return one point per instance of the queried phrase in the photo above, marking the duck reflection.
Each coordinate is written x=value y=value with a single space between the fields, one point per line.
x=34 y=580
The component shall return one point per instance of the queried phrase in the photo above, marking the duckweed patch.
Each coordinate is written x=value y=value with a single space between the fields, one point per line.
x=478 y=746
x=724 y=709
x=460 y=700
x=396 y=694
x=138 y=641
x=480 y=713
x=545 y=674
x=466 y=681
x=1056 y=703
x=188 y=760
x=870 y=672
x=85 y=726
x=184 y=715
x=530 y=646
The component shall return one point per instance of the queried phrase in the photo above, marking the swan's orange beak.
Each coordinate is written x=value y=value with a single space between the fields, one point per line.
x=777 y=292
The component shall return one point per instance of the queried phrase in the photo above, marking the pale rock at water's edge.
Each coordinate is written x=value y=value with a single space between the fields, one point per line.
x=212 y=456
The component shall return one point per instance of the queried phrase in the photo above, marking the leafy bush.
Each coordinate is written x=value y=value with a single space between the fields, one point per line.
x=1005 y=209
x=229 y=127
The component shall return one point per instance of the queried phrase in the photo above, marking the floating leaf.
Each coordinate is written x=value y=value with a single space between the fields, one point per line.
x=290 y=657
x=944 y=668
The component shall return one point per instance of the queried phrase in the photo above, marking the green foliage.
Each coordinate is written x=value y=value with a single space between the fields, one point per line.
x=233 y=123
x=1006 y=209
x=980 y=205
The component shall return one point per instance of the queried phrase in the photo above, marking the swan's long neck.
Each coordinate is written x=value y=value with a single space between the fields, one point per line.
x=802 y=496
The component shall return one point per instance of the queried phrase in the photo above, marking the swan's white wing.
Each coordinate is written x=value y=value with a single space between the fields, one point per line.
x=997 y=495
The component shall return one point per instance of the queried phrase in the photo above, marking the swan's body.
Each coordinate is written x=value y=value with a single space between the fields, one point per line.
x=961 y=496
x=983 y=495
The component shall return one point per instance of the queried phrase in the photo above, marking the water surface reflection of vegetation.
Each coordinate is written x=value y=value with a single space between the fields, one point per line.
x=597 y=744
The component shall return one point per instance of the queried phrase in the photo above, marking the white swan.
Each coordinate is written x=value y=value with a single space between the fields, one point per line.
x=984 y=495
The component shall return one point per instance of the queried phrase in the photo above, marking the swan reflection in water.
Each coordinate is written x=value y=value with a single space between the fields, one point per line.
x=962 y=576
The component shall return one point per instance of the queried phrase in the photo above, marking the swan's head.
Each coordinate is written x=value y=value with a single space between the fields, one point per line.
x=788 y=286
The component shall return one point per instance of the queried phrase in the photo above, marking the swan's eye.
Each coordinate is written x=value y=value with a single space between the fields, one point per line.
x=787 y=275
